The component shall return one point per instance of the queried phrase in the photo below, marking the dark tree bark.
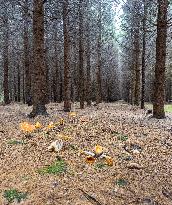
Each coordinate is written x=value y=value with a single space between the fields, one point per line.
x=15 y=89
x=60 y=86
x=6 y=61
x=56 y=72
x=81 y=53
x=143 y=55
x=27 y=74
x=39 y=72
x=99 y=46
x=67 y=80
x=18 y=82
x=136 y=25
x=88 y=53
x=159 y=84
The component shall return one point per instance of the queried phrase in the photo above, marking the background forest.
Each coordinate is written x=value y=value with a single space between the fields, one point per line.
x=75 y=50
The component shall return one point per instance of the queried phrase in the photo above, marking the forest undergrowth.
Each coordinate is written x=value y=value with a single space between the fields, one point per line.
x=102 y=155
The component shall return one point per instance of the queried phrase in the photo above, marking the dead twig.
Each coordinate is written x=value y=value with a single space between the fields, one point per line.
x=90 y=198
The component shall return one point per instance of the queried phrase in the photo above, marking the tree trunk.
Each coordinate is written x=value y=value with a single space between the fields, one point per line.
x=56 y=77
x=18 y=82
x=159 y=84
x=67 y=86
x=99 y=42
x=6 y=62
x=143 y=56
x=88 y=53
x=39 y=71
x=27 y=76
x=81 y=52
x=136 y=57
x=15 y=88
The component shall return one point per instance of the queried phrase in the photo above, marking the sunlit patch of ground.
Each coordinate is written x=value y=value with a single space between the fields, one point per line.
x=140 y=148
x=167 y=107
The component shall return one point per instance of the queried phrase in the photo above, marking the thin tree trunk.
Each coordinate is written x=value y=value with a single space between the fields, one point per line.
x=137 y=54
x=60 y=85
x=67 y=86
x=27 y=76
x=6 y=62
x=81 y=52
x=15 y=88
x=143 y=56
x=18 y=82
x=39 y=72
x=88 y=53
x=99 y=46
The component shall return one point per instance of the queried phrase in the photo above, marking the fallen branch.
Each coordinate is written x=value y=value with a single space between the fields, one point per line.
x=90 y=198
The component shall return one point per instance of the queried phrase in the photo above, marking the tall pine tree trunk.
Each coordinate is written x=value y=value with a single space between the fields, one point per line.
x=137 y=20
x=88 y=53
x=27 y=76
x=55 y=79
x=67 y=80
x=18 y=82
x=81 y=52
x=159 y=85
x=143 y=55
x=99 y=46
x=39 y=71
x=6 y=61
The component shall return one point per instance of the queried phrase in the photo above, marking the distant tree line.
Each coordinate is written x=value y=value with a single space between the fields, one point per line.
x=71 y=50
x=54 y=51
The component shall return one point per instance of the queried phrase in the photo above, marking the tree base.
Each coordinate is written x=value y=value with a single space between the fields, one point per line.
x=158 y=117
x=67 y=106
x=38 y=110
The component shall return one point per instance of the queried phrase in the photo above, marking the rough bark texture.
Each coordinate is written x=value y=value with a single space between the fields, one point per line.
x=88 y=53
x=27 y=78
x=99 y=42
x=143 y=56
x=81 y=53
x=57 y=75
x=18 y=82
x=136 y=53
x=67 y=86
x=39 y=71
x=6 y=62
x=159 y=85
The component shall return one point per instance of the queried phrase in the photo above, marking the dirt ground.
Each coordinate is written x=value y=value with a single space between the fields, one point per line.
x=141 y=148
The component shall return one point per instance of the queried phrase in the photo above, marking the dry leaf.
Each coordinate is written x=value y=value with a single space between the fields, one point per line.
x=51 y=125
x=72 y=114
x=90 y=160
x=26 y=127
x=64 y=137
x=109 y=161
x=38 y=125
x=98 y=149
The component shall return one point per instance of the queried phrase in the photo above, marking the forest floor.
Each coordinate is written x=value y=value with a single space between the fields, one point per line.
x=141 y=148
